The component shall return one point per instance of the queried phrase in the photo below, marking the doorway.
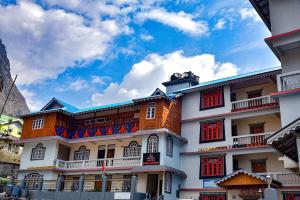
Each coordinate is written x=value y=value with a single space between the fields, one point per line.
x=110 y=154
x=152 y=185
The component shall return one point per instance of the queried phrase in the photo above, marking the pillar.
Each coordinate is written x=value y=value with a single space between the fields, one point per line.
x=229 y=163
x=133 y=187
x=104 y=186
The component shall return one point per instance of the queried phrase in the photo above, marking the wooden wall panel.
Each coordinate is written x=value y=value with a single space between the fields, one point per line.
x=172 y=116
x=155 y=123
x=48 y=130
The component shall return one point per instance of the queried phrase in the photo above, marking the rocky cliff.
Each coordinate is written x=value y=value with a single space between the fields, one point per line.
x=16 y=103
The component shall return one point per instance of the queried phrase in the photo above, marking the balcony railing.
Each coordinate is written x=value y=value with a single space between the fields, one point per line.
x=92 y=164
x=250 y=140
x=285 y=178
x=258 y=102
x=98 y=130
x=289 y=82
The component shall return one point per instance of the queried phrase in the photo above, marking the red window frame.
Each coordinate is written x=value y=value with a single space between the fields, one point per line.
x=212 y=99
x=212 y=197
x=291 y=196
x=212 y=131
x=212 y=166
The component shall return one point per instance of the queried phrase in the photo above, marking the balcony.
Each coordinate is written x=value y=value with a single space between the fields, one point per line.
x=285 y=178
x=290 y=81
x=116 y=129
x=253 y=103
x=93 y=164
x=250 y=140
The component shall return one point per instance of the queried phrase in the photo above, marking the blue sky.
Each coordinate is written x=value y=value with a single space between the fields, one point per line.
x=99 y=52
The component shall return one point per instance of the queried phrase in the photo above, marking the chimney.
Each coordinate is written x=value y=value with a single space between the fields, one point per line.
x=179 y=81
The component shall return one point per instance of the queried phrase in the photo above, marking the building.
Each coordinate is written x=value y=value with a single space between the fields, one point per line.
x=127 y=138
x=10 y=152
x=178 y=143
x=223 y=139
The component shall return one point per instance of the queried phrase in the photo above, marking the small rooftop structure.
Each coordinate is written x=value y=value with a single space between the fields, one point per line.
x=179 y=81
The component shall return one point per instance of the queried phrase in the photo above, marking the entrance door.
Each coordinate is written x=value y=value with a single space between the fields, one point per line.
x=152 y=183
x=101 y=155
x=110 y=154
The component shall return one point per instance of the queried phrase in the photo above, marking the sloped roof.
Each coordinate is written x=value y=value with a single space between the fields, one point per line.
x=63 y=105
x=238 y=172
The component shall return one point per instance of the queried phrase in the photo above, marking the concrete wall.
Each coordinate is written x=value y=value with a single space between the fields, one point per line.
x=267 y=89
x=272 y=123
x=272 y=162
x=50 y=155
x=291 y=60
x=191 y=105
x=289 y=108
x=285 y=15
x=93 y=147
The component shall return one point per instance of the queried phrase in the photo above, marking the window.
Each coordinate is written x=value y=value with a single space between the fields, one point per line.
x=168 y=182
x=133 y=149
x=169 y=151
x=291 y=195
x=233 y=96
x=32 y=180
x=257 y=128
x=213 y=196
x=212 y=99
x=212 y=131
x=82 y=153
x=152 y=146
x=100 y=120
x=254 y=94
x=212 y=167
x=150 y=111
x=38 y=124
x=38 y=153
x=258 y=166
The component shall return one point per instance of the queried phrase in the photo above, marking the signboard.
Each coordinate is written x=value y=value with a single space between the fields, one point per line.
x=122 y=195
x=151 y=158
x=210 y=183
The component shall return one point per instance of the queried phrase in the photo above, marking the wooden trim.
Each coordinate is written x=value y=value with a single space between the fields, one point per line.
x=212 y=107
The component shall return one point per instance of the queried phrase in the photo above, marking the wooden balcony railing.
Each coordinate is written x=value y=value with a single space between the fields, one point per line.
x=258 y=102
x=289 y=82
x=250 y=140
x=98 y=130
x=92 y=164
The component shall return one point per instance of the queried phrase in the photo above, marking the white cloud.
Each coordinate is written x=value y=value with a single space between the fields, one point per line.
x=101 y=80
x=220 y=24
x=146 y=37
x=182 y=21
x=42 y=43
x=145 y=76
x=31 y=99
x=78 y=84
x=249 y=13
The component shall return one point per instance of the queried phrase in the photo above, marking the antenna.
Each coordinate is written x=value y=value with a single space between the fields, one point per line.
x=6 y=99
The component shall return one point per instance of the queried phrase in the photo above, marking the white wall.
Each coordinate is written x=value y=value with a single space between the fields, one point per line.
x=285 y=15
x=191 y=105
x=289 y=108
x=50 y=154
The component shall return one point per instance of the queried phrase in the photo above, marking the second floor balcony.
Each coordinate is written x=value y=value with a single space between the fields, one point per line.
x=290 y=81
x=253 y=103
x=250 y=140
x=98 y=163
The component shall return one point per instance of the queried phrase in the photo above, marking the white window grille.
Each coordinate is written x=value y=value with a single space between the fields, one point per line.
x=152 y=146
x=168 y=182
x=132 y=150
x=38 y=124
x=82 y=154
x=38 y=153
x=150 y=111
x=169 y=148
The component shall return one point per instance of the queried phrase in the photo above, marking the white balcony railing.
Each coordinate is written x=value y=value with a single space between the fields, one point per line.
x=285 y=178
x=250 y=140
x=290 y=81
x=89 y=164
x=253 y=103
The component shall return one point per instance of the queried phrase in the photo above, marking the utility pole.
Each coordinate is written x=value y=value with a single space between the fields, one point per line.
x=6 y=99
